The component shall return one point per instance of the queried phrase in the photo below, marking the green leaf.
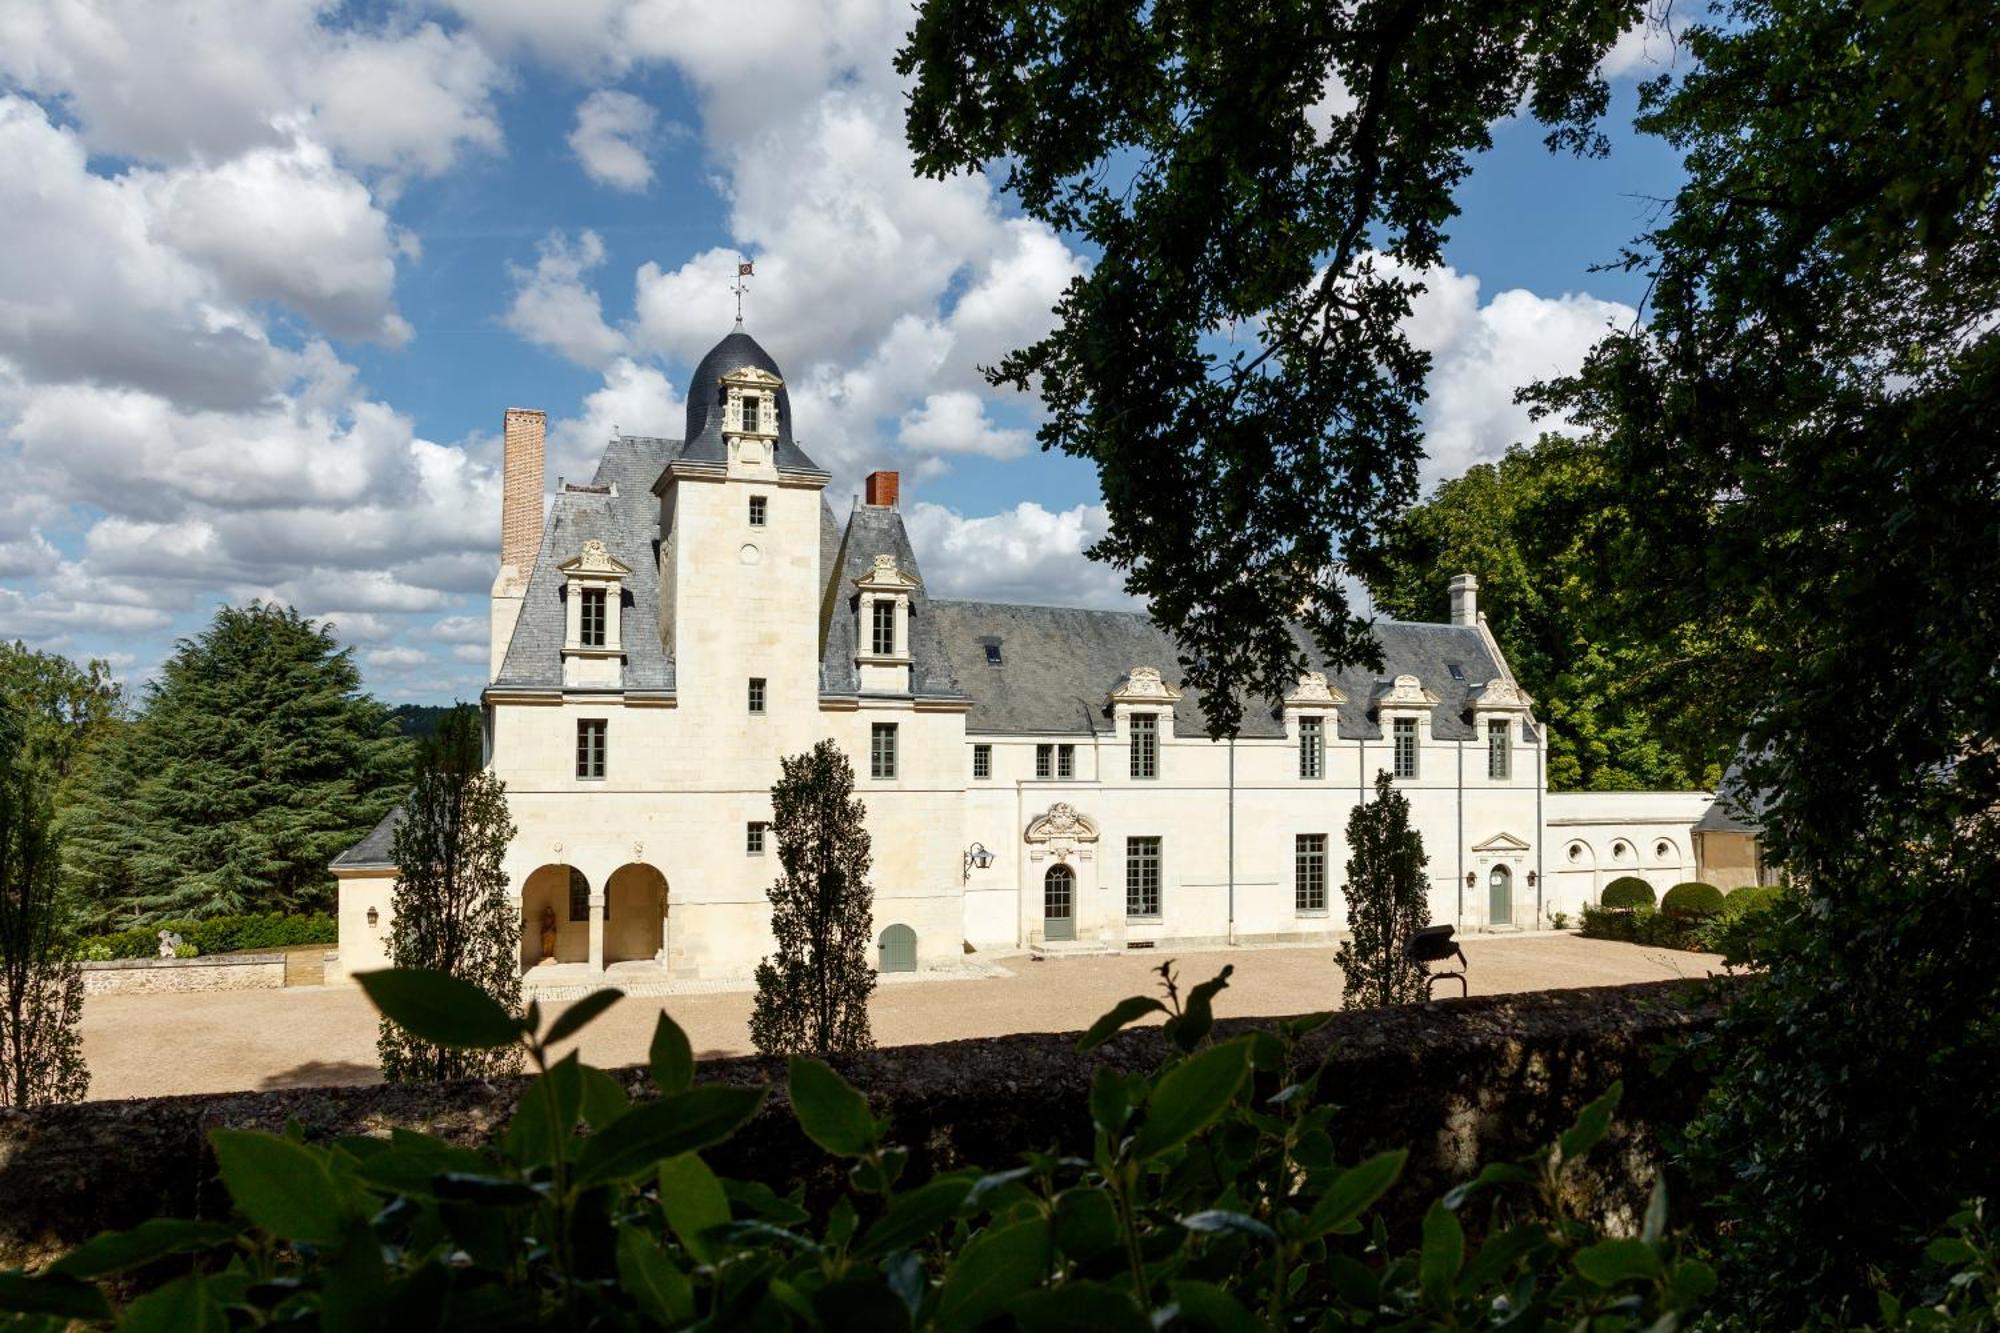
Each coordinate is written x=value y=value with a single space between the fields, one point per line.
x=913 y=1217
x=1443 y=1254
x=995 y=1266
x=1610 y=1262
x=1126 y=1011
x=1190 y=1097
x=1591 y=1124
x=1110 y=1099
x=538 y=1130
x=1655 y=1225
x=485 y=1191
x=281 y=1186
x=1197 y=1018
x=1086 y=1223
x=661 y=1291
x=182 y=1306
x=647 y=1135
x=671 y=1059
x=1352 y=1191
x=830 y=1111
x=439 y=1008
x=1207 y=1306
x=155 y=1238
x=694 y=1202
x=1078 y=1307
x=62 y=1296
x=1493 y=1173
x=1218 y=1219
x=1943 y=1250
x=604 y=1099
x=573 y=1018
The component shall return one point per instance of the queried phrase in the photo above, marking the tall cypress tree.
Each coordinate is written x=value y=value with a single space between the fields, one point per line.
x=812 y=995
x=41 y=986
x=452 y=911
x=257 y=761
x=1388 y=900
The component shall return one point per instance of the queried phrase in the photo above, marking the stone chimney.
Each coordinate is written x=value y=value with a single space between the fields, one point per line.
x=524 y=431
x=1464 y=600
x=882 y=489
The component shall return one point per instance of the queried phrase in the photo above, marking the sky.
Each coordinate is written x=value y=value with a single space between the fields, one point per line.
x=270 y=270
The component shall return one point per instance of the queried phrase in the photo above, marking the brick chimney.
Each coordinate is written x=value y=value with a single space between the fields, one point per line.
x=524 y=433
x=882 y=489
x=1464 y=591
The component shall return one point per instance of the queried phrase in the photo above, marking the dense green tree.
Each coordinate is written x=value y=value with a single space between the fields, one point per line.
x=452 y=909
x=812 y=994
x=1630 y=704
x=256 y=761
x=1388 y=900
x=1804 y=431
x=64 y=709
x=1262 y=184
x=41 y=986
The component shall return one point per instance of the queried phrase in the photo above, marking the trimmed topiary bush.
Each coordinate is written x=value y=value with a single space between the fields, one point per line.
x=1692 y=900
x=1627 y=892
x=1752 y=898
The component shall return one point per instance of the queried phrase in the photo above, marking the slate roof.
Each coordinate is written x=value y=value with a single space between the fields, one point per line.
x=1734 y=810
x=873 y=531
x=373 y=852
x=619 y=510
x=705 y=398
x=1058 y=665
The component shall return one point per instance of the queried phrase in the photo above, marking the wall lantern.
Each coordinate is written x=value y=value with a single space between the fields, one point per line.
x=976 y=856
x=1531 y=879
x=374 y=918
x=1471 y=878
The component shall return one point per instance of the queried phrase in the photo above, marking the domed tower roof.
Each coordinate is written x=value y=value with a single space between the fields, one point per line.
x=738 y=351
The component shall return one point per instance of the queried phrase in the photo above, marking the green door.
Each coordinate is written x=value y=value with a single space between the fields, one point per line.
x=1059 y=904
x=899 y=950
x=1500 y=897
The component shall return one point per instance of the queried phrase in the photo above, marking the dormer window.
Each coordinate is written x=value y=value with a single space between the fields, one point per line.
x=590 y=632
x=593 y=589
x=750 y=413
x=882 y=637
x=882 y=608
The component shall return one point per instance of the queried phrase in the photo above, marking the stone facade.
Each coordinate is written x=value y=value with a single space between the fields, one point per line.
x=697 y=610
x=150 y=976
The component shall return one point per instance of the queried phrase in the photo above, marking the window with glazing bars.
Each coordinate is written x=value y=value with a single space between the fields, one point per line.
x=982 y=761
x=590 y=616
x=1142 y=877
x=884 y=627
x=756 y=694
x=1406 y=747
x=590 y=747
x=1145 y=745
x=1065 y=761
x=1309 y=872
x=1045 y=761
x=753 y=837
x=1312 y=748
x=757 y=511
x=751 y=417
x=579 y=896
x=882 y=750
x=1499 y=758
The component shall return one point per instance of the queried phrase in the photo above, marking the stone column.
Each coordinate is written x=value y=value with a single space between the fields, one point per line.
x=597 y=932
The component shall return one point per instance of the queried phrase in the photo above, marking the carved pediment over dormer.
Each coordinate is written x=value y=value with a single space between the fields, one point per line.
x=1404 y=692
x=885 y=575
x=753 y=377
x=1501 y=694
x=1144 y=685
x=1061 y=820
x=1314 y=692
x=594 y=561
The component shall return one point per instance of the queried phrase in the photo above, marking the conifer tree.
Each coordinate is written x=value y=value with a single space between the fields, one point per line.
x=452 y=911
x=812 y=995
x=1388 y=900
x=41 y=986
x=257 y=760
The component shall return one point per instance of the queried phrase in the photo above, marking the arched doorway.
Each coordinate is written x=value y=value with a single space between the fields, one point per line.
x=635 y=912
x=564 y=893
x=1059 y=903
x=1500 y=897
x=898 y=950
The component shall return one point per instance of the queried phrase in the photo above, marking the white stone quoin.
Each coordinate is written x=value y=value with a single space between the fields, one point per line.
x=698 y=610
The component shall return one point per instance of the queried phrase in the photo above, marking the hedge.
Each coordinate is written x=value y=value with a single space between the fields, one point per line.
x=1642 y=925
x=1627 y=891
x=1752 y=898
x=218 y=934
x=1692 y=900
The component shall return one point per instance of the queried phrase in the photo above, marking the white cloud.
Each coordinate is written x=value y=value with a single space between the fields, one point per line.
x=635 y=399
x=554 y=308
x=612 y=137
x=956 y=423
x=399 y=659
x=1024 y=554
x=1648 y=47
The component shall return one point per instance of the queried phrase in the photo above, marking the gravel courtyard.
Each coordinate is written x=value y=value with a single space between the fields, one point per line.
x=154 y=1045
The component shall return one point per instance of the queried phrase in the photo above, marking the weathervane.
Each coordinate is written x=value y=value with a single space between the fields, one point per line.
x=744 y=269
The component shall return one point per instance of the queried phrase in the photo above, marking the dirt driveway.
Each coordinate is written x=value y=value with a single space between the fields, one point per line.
x=225 y=1041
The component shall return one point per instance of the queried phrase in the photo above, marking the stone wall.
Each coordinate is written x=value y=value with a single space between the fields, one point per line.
x=145 y=976
x=1459 y=1083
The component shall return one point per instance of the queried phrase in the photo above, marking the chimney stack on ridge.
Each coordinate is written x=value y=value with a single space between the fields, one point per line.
x=1464 y=600
x=882 y=489
x=523 y=443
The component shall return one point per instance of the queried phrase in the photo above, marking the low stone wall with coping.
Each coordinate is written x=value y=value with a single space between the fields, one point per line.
x=1459 y=1083
x=147 y=976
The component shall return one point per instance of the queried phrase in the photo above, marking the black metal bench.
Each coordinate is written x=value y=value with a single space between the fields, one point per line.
x=1434 y=944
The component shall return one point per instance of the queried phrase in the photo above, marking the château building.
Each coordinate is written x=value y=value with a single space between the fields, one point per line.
x=1035 y=777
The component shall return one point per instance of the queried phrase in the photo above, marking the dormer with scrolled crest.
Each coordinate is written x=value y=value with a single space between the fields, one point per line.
x=593 y=593
x=882 y=627
x=750 y=408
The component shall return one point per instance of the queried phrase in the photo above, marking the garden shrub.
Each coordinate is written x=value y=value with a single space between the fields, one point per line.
x=218 y=934
x=1627 y=891
x=1752 y=898
x=1692 y=900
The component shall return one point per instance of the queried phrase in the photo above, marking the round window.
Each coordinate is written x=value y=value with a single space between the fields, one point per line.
x=1576 y=851
x=1663 y=850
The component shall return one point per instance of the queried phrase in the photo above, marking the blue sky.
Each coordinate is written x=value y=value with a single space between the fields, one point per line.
x=270 y=270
